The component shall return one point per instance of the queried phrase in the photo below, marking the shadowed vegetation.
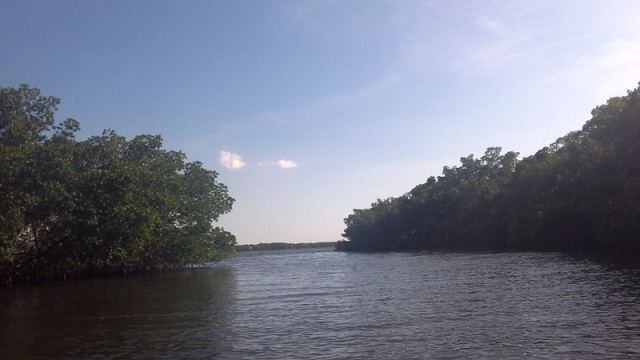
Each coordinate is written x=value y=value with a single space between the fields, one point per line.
x=581 y=193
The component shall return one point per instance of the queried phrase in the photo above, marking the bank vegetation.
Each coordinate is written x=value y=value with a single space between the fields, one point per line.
x=581 y=193
x=105 y=205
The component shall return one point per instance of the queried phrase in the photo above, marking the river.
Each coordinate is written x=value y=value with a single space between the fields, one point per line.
x=321 y=304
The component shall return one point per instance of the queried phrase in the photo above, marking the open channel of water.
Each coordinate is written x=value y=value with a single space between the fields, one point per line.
x=321 y=304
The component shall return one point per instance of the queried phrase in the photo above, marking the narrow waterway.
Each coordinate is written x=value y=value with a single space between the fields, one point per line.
x=320 y=304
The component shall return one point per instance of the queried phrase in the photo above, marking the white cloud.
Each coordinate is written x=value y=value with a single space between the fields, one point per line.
x=287 y=164
x=231 y=161
x=282 y=163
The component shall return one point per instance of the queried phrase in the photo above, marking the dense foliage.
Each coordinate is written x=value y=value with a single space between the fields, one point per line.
x=582 y=193
x=283 y=246
x=104 y=205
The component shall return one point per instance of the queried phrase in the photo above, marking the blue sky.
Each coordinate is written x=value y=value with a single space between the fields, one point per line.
x=309 y=109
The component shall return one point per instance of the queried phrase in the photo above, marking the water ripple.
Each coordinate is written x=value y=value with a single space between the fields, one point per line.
x=327 y=305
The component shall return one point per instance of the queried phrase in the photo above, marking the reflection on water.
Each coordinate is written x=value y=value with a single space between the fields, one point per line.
x=328 y=305
x=173 y=315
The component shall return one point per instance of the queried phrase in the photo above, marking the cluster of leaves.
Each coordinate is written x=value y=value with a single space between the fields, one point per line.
x=104 y=205
x=582 y=193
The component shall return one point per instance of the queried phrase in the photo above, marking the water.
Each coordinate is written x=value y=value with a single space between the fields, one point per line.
x=320 y=304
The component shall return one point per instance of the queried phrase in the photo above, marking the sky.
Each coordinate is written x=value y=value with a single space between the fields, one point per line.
x=310 y=109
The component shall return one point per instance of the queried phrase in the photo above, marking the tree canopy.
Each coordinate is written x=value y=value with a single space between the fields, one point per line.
x=103 y=205
x=581 y=193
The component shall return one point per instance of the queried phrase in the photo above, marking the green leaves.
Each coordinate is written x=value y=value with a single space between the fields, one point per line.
x=579 y=194
x=98 y=206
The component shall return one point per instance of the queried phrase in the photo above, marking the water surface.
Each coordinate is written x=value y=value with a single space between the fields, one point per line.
x=327 y=305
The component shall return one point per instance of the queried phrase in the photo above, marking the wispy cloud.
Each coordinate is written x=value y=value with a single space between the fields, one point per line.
x=317 y=110
x=618 y=66
x=611 y=69
x=231 y=161
x=282 y=163
x=443 y=37
x=550 y=39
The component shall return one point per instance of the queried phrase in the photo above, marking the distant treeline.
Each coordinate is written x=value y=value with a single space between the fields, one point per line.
x=282 y=245
x=104 y=205
x=581 y=193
